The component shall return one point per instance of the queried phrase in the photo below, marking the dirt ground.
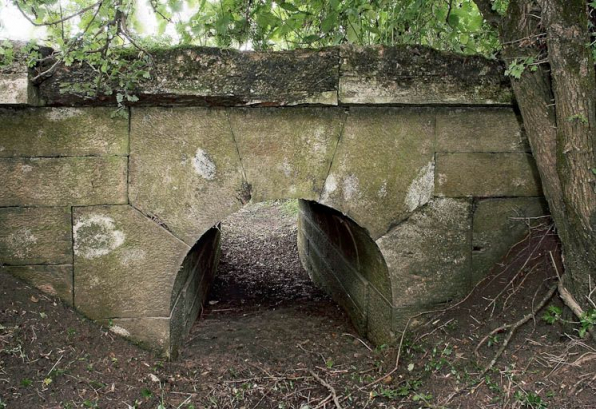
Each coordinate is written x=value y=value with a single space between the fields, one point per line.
x=268 y=338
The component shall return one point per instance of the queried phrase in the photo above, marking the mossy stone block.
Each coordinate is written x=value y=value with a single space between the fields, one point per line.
x=184 y=168
x=35 y=235
x=55 y=280
x=125 y=264
x=498 y=225
x=479 y=130
x=286 y=152
x=487 y=175
x=429 y=255
x=63 y=181
x=62 y=132
x=419 y=75
x=383 y=168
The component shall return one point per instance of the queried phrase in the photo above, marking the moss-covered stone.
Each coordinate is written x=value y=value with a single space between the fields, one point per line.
x=479 y=130
x=55 y=280
x=384 y=166
x=184 y=168
x=125 y=264
x=217 y=77
x=286 y=152
x=487 y=175
x=498 y=225
x=62 y=132
x=429 y=255
x=419 y=75
x=63 y=181
x=39 y=235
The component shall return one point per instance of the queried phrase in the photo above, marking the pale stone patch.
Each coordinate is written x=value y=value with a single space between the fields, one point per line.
x=120 y=331
x=13 y=90
x=203 y=165
x=382 y=192
x=132 y=256
x=351 y=186
x=26 y=168
x=286 y=167
x=330 y=186
x=421 y=189
x=20 y=242
x=96 y=236
x=60 y=114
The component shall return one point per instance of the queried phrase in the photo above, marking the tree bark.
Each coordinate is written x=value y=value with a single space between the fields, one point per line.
x=557 y=103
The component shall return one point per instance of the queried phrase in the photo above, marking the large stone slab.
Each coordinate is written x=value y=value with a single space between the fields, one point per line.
x=479 y=130
x=384 y=166
x=487 y=175
x=63 y=181
x=184 y=168
x=429 y=255
x=286 y=153
x=216 y=77
x=55 y=280
x=62 y=132
x=419 y=75
x=125 y=264
x=498 y=225
x=35 y=235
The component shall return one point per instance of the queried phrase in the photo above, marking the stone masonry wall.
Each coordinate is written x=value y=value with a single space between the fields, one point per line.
x=409 y=164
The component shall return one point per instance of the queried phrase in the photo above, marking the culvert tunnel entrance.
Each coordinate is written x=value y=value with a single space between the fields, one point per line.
x=299 y=257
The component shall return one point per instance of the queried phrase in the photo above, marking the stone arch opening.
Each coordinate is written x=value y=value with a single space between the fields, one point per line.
x=339 y=256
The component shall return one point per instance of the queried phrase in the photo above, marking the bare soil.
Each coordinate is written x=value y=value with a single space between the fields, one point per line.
x=268 y=338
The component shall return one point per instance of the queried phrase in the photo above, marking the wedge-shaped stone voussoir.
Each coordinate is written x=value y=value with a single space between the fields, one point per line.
x=63 y=181
x=125 y=264
x=487 y=175
x=184 y=168
x=498 y=225
x=39 y=235
x=480 y=130
x=55 y=280
x=286 y=152
x=384 y=166
x=62 y=132
x=428 y=255
x=419 y=75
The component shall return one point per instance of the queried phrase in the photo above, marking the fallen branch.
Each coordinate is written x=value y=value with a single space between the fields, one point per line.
x=328 y=386
x=513 y=328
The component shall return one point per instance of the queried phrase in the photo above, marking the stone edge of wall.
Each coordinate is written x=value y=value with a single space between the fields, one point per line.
x=344 y=75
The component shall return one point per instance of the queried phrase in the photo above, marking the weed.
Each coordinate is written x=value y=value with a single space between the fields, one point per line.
x=91 y=403
x=26 y=382
x=384 y=392
x=530 y=400
x=552 y=314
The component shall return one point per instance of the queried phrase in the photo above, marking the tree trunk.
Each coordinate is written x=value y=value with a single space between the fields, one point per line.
x=556 y=101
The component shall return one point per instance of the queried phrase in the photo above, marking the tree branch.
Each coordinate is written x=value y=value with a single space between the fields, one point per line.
x=486 y=9
x=62 y=20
